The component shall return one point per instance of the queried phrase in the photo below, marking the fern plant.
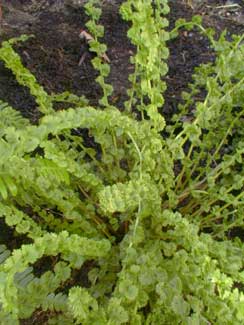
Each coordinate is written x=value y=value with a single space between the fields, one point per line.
x=154 y=243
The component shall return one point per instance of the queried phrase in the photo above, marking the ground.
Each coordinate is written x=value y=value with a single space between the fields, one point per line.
x=54 y=53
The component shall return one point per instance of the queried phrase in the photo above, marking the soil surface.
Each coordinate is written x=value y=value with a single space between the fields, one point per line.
x=54 y=53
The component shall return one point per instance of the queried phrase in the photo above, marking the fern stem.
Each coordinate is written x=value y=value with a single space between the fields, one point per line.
x=138 y=151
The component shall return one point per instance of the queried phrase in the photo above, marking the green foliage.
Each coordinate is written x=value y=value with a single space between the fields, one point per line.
x=99 y=63
x=114 y=235
x=149 y=60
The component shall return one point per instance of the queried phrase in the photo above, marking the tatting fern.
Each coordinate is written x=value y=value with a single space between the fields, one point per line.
x=131 y=210
x=9 y=117
x=4 y=253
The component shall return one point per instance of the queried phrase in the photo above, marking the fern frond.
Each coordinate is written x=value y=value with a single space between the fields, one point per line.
x=34 y=292
x=82 y=304
x=7 y=186
x=49 y=244
x=66 y=164
x=4 y=253
x=51 y=171
x=25 y=78
x=9 y=117
x=22 y=279
x=126 y=197
x=67 y=97
x=54 y=302
x=3 y=189
x=23 y=223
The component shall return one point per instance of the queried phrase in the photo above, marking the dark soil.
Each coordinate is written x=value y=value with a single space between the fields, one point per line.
x=54 y=53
